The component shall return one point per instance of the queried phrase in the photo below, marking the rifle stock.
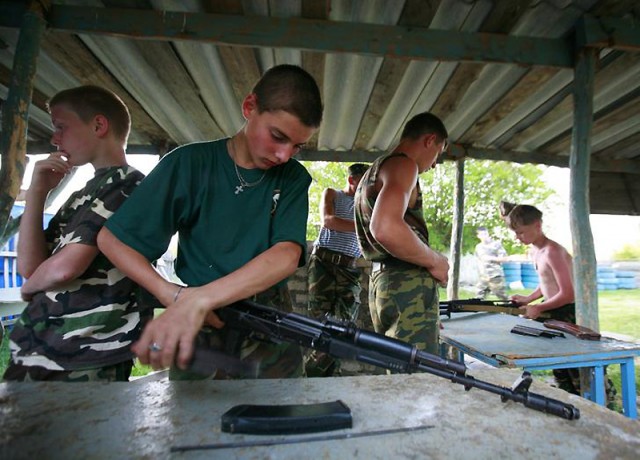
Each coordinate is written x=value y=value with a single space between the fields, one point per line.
x=478 y=305
x=343 y=340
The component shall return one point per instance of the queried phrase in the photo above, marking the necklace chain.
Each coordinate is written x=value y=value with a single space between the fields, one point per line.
x=242 y=180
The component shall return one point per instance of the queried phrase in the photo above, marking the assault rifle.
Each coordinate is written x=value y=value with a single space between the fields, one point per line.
x=477 y=305
x=343 y=340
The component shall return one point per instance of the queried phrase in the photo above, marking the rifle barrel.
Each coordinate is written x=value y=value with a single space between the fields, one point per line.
x=345 y=340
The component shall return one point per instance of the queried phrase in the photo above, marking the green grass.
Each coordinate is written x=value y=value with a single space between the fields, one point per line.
x=4 y=353
x=620 y=312
x=139 y=369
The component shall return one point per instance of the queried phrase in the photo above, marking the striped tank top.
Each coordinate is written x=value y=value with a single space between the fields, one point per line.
x=344 y=242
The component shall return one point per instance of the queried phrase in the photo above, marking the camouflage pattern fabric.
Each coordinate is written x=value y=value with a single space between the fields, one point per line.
x=404 y=304
x=495 y=285
x=403 y=298
x=117 y=373
x=491 y=274
x=365 y=199
x=91 y=321
x=275 y=361
x=484 y=252
x=569 y=379
x=334 y=291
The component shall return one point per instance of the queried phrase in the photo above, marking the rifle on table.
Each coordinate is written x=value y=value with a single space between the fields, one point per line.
x=343 y=340
x=478 y=305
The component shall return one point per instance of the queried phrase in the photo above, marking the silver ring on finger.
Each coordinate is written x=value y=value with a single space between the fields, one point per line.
x=155 y=347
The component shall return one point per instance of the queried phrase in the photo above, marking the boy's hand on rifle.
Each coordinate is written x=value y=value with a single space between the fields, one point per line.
x=519 y=300
x=169 y=338
x=531 y=311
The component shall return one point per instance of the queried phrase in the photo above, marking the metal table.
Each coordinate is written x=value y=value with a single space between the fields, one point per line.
x=487 y=337
x=424 y=417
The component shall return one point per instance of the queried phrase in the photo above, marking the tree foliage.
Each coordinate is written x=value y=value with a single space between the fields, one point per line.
x=325 y=174
x=486 y=184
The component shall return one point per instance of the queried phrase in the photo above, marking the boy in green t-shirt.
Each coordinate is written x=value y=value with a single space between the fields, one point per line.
x=239 y=206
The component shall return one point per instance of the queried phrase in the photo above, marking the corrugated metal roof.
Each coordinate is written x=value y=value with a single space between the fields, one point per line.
x=188 y=90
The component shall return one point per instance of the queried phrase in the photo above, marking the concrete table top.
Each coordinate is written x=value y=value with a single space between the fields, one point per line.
x=435 y=418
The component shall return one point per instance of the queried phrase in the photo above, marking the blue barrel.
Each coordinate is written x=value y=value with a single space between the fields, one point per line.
x=606 y=278
x=627 y=283
x=529 y=276
x=511 y=271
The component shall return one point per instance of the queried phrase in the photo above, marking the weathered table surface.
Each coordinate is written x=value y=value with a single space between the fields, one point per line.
x=146 y=419
x=487 y=337
x=488 y=334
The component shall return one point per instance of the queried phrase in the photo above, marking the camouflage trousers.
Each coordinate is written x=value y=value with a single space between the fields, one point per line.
x=334 y=290
x=115 y=373
x=283 y=360
x=495 y=285
x=569 y=379
x=403 y=301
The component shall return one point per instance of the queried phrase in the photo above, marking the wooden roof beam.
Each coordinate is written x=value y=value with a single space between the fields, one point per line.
x=457 y=151
x=606 y=32
x=306 y=34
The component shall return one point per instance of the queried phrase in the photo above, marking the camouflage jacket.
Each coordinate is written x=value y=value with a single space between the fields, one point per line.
x=490 y=268
x=92 y=320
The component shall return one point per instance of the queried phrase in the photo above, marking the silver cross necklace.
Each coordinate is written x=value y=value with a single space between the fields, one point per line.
x=243 y=182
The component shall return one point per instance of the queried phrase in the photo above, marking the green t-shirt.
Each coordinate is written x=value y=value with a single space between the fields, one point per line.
x=192 y=191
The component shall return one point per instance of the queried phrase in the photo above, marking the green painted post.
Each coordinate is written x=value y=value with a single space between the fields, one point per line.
x=13 y=139
x=584 y=260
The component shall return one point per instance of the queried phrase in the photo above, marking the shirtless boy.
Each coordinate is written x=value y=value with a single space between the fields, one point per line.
x=553 y=264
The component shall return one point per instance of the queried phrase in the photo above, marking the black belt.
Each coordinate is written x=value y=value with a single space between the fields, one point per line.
x=391 y=263
x=333 y=257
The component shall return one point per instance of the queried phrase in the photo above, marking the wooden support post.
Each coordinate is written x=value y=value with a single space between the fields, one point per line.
x=584 y=260
x=15 y=111
x=456 y=233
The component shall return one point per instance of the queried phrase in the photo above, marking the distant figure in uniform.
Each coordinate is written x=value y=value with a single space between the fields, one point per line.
x=83 y=313
x=392 y=232
x=490 y=254
x=334 y=278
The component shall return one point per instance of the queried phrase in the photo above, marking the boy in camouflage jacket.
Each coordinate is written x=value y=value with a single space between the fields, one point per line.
x=82 y=315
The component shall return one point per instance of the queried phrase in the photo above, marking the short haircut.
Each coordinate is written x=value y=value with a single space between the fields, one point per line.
x=482 y=229
x=523 y=214
x=357 y=169
x=292 y=89
x=425 y=123
x=505 y=208
x=88 y=101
